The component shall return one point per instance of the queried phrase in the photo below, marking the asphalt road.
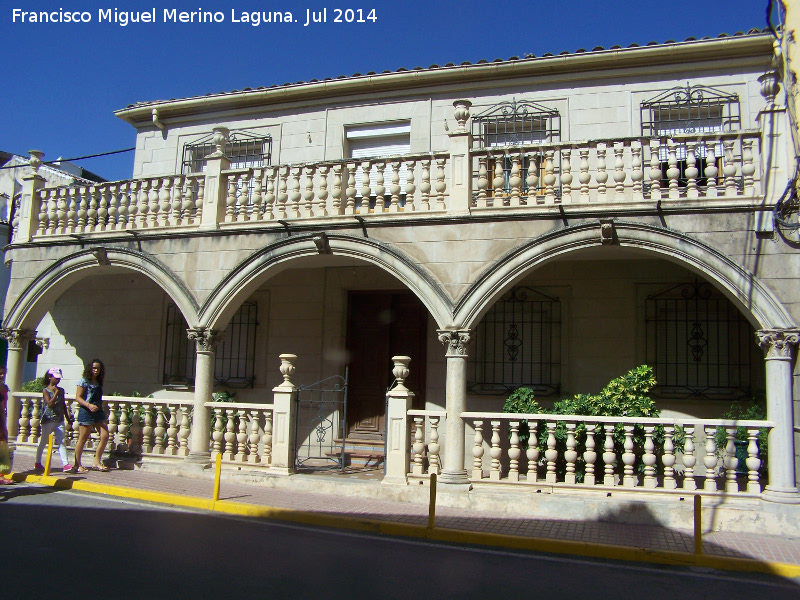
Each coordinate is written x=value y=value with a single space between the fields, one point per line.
x=63 y=544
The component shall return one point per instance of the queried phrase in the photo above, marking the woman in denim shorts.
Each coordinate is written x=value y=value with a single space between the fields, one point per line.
x=91 y=416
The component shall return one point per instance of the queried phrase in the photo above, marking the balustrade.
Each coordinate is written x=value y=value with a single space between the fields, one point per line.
x=655 y=454
x=425 y=448
x=241 y=432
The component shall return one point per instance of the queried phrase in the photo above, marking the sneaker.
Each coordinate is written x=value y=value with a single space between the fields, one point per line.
x=67 y=468
x=38 y=467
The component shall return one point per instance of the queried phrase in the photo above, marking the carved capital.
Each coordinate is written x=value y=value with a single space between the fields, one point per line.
x=455 y=340
x=778 y=343
x=17 y=338
x=205 y=338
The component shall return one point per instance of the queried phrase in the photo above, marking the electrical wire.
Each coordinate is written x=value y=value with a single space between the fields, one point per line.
x=55 y=162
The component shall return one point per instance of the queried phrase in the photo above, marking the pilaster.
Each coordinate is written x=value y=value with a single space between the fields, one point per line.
x=460 y=166
x=283 y=419
x=216 y=193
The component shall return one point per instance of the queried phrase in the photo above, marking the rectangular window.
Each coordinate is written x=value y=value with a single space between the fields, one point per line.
x=234 y=364
x=518 y=343
x=243 y=149
x=379 y=141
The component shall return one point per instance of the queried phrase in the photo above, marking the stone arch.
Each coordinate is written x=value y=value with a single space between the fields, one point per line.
x=759 y=305
x=248 y=276
x=40 y=294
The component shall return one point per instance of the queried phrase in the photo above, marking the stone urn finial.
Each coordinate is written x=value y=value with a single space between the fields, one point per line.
x=770 y=86
x=287 y=368
x=462 y=114
x=220 y=138
x=35 y=160
x=401 y=370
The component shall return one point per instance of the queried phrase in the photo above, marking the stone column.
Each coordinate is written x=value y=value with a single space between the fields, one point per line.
x=28 y=218
x=17 y=347
x=205 y=340
x=283 y=419
x=460 y=199
x=216 y=192
x=456 y=340
x=400 y=400
x=778 y=346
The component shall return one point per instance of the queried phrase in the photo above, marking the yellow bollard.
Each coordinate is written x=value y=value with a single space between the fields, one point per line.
x=432 y=506
x=217 y=471
x=698 y=524
x=49 y=455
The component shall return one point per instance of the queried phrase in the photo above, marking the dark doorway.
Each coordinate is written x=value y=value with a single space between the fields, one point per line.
x=381 y=325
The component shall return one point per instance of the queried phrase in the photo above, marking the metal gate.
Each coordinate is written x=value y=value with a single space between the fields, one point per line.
x=321 y=424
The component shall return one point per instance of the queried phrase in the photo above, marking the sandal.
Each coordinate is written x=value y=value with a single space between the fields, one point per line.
x=101 y=468
x=80 y=470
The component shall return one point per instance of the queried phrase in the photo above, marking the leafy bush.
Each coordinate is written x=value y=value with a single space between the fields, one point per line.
x=34 y=385
x=744 y=411
x=522 y=400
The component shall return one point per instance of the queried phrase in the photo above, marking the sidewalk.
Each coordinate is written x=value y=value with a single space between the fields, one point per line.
x=779 y=555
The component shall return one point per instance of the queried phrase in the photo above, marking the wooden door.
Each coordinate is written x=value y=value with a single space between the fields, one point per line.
x=381 y=325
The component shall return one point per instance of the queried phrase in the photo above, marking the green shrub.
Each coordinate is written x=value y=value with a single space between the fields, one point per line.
x=752 y=410
x=34 y=385
x=522 y=400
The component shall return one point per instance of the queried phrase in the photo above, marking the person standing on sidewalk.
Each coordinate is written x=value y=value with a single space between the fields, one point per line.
x=5 y=457
x=55 y=411
x=91 y=416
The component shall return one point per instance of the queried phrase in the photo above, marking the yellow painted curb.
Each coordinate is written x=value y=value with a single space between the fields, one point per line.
x=439 y=534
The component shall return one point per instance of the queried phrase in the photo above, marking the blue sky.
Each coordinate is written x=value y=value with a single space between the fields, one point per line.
x=63 y=80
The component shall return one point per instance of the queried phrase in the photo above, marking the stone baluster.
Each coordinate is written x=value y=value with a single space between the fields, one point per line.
x=583 y=176
x=70 y=426
x=483 y=182
x=308 y=192
x=283 y=196
x=72 y=209
x=514 y=452
x=730 y=461
x=144 y=206
x=590 y=456
x=270 y=175
x=619 y=172
x=113 y=425
x=411 y=187
x=655 y=170
x=515 y=181
x=609 y=455
x=729 y=168
x=185 y=432
x=566 y=175
x=366 y=189
x=241 y=437
x=394 y=188
x=155 y=191
x=230 y=199
x=689 y=459
x=673 y=172
x=533 y=179
x=177 y=200
x=628 y=458
x=710 y=459
x=549 y=177
x=711 y=171
x=243 y=198
x=193 y=200
x=495 y=452
x=337 y=207
x=691 y=170
x=132 y=204
x=266 y=439
x=425 y=185
x=322 y=196
x=172 y=432
x=147 y=429
x=477 y=452
x=254 y=438
x=499 y=181
x=35 y=421
x=601 y=176
x=123 y=427
x=160 y=430
x=434 y=462
x=532 y=453
x=229 y=453
x=419 y=446
x=649 y=459
x=637 y=174
x=61 y=210
x=668 y=458
x=116 y=212
x=350 y=191
x=43 y=221
x=52 y=211
x=217 y=434
x=24 y=420
x=165 y=202
x=380 y=189
x=135 y=445
x=551 y=454
x=102 y=207
x=83 y=208
x=570 y=455
x=441 y=186
x=753 y=463
x=748 y=168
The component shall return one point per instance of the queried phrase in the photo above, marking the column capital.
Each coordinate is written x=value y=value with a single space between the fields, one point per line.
x=456 y=341
x=205 y=338
x=778 y=343
x=17 y=338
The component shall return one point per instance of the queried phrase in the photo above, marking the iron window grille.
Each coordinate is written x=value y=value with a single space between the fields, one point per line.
x=698 y=343
x=518 y=343
x=685 y=111
x=234 y=364
x=512 y=124
x=243 y=149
